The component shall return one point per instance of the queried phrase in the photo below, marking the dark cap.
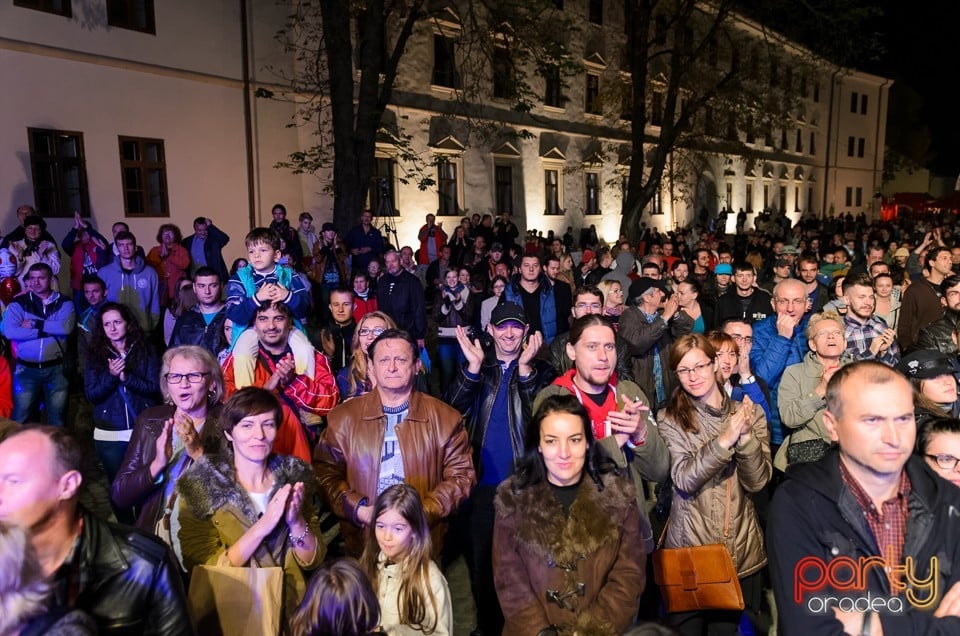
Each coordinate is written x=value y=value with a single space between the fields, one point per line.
x=496 y=247
x=925 y=364
x=781 y=262
x=644 y=284
x=505 y=312
x=328 y=227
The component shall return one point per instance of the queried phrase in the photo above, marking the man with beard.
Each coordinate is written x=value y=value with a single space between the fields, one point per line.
x=943 y=335
x=679 y=273
x=868 y=337
x=920 y=305
x=494 y=391
x=817 y=292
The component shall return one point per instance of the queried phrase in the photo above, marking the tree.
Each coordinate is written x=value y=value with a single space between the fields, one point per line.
x=348 y=55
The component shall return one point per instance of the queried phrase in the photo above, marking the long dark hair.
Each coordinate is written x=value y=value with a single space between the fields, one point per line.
x=532 y=471
x=135 y=341
x=680 y=408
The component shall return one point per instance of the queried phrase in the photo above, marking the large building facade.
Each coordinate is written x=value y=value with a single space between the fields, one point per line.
x=146 y=112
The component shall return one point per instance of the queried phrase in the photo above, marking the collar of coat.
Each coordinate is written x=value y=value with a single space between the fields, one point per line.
x=211 y=483
x=372 y=406
x=593 y=520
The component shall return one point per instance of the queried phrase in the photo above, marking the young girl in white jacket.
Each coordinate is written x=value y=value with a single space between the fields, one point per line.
x=413 y=594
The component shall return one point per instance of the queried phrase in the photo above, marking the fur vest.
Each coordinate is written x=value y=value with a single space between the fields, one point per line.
x=595 y=547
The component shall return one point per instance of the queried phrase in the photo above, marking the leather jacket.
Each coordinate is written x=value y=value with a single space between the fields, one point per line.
x=939 y=335
x=192 y=329
x=436 y=460
x=126 y=580
x=474 y=398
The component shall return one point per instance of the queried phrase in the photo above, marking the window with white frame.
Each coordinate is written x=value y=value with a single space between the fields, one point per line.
x=553 y=189
x=503 y=187
x=591 y=195
x=449 y=184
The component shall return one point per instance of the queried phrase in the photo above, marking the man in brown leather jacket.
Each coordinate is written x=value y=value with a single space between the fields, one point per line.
x=393 y=434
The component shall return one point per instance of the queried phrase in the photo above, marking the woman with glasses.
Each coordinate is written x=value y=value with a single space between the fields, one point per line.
x=719 y=453
x=120 y=380
x=732 y=358
x=612 y=300
x=803 y=388
x=352 y=380
x=168 y=438
x=938 y=442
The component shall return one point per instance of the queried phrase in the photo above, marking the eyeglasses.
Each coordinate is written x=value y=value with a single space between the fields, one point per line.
x=192 y=378
x=702 y=369
x=585 y=306
x=946 y=462
x=796 y=302
x=371 y=331
x=739 y=339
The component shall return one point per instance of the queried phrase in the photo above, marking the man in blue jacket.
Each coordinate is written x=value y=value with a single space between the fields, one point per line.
x=778 y=342
x=206 y=247
x=37 y=324
x=531 y=289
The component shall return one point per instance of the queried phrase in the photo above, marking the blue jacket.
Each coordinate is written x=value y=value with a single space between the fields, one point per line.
x=46 y=338
x=241 y=294
x=548 y=304
x=117 y=404
x=137 y=289
x=770 y=355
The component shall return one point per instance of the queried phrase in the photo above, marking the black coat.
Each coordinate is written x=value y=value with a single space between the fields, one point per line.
x=212 y=250
x=814 y=515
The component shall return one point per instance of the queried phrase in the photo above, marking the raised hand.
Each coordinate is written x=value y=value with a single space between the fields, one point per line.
x=164 y=449
x=276 y=510
x=471 y=349
x=186 y=429
x=294 y=513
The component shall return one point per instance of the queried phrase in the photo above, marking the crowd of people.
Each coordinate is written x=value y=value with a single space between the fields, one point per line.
x=307 y=439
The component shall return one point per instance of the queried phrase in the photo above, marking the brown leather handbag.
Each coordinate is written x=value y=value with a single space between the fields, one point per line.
x=699 y=577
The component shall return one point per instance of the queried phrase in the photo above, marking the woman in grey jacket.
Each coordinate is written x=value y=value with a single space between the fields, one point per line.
x=719 y=451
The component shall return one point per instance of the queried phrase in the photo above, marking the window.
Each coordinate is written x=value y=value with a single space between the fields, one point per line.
x=729 y=204
x=596 y=11
x=553 y=88
x=854 y=100
x=136 y=15
x=381 y=198
x=59 y=172
x=816 y=92
x=859 y=200
x=749 y=197
x=552 y=199
x=860 y=146
x=709 y=127
x=849 y=197
x=59 y=7
x=504 y=85
x=503 y=177
x=444 y=64
x=813 y=144
x=144 y=170
x=796 y=197
x=448 y=186
x=782 y=203
x=783 y=139
x=803 y=87
x=810 y=198
x=766 y=196
x=592 y=105
x=774 y=73
x=799 y=140
x=863 y=104
x=851 y=143
x=656 y=110
x=591 y=197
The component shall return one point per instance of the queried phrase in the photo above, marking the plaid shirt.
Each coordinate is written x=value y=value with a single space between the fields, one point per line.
x=889 y=525
x=861 y=335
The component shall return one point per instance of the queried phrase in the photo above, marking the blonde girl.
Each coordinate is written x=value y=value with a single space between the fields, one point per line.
x=414 y=597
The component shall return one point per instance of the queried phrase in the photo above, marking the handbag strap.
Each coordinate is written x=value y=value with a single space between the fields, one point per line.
x=726 y=516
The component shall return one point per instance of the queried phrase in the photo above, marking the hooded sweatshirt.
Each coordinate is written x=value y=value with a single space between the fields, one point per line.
x=136 y=288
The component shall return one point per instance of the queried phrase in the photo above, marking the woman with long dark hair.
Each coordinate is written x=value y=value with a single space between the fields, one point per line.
x=121 y=379
x=719 y=452
x=567 y=551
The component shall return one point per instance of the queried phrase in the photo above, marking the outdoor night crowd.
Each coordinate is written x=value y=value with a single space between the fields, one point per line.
x=302 y=442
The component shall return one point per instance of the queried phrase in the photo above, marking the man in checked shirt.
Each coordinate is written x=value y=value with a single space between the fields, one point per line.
x=868 y=337
x=866 y=540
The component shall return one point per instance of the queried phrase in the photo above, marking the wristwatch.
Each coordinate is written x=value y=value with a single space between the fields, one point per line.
x=750 y=379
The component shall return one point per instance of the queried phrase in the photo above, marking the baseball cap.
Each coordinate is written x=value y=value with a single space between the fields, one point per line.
x=588 y=255
x=781 y=262
x=723 y=268
x=901 y=252
x=496 y=247
x=642 y=285
x=925 y=364
x=328 y=227
x=505 y=312
x=789 y=249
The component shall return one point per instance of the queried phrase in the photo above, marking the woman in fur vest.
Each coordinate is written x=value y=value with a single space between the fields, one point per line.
x=248 y=507
x=568 y=557
x=719 y=452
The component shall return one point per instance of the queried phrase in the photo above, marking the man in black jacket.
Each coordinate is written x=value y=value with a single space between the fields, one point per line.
x=205 y=246
x=866 y=540
x=400 y=296
x=942 y=335
x=125 y=579
x=494 y=390
x=202 y=324
x=744 y=300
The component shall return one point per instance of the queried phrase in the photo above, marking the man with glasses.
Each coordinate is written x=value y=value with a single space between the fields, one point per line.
x=871 y=505
x=778 y=342
x=588 y=300
x=494 y=391
x=744 y=300
x=743 y=381
x=305 y=399
x=867 y=336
